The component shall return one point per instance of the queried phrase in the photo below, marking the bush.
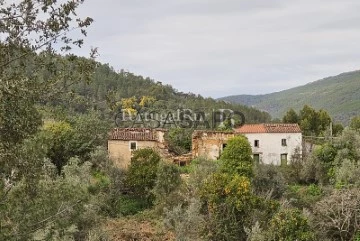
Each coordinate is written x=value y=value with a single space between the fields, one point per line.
x=167 y=181
x=337 y=216
x=314 y=171
x=130 y=205
x=186 y=222
x=255 y=233
x=99 y=158
x=200 y=169
x=61 y=208
x=100 y=182
x=313 y=190
x=237 y=157
x=142 y=173
x=348 y=174
x=355 y=123
x=304 y=196
x=112 y=192
x=268 y=181
x=290 y=225
x=179 y=140
x=292 y=172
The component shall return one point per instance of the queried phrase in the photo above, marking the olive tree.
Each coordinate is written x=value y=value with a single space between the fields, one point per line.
x=337 y=216
x=35 y=64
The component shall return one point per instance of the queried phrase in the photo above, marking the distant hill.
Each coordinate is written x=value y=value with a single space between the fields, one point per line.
x=339 y=95
x=108 y=87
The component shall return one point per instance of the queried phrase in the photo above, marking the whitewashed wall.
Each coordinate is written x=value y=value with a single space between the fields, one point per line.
x=270 y=148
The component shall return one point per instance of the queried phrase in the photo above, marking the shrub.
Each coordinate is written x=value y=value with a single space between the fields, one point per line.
x=313 y=190
x=60 y=207
x=304 y=196
x=237 y=157
x=179 y=140
x=314 y=171
x=186 y=222
x=142 y=173
x=255 y=233
x=167 y=181
x=200 y=169
x=99 y=158
x=268 y=181
x=292 y=171
x=337 y=216
x=348 y=174
x=290 y=225
x=130 y=205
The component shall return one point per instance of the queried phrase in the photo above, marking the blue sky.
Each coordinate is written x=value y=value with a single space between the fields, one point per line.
x=217 y=48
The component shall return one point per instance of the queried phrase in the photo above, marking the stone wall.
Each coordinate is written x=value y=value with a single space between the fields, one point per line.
x=209 y=144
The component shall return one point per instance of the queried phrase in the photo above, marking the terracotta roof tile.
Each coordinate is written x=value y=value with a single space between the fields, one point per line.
x=251 y=128
x=133 y=134
x=269 y=128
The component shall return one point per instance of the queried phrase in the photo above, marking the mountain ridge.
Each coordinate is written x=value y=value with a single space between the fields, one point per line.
x=339 y=95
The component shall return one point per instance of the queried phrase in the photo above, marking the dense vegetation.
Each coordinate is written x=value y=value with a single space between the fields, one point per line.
x=110 y=91
x=312 y=122
x=57 y=183
x=339 y=95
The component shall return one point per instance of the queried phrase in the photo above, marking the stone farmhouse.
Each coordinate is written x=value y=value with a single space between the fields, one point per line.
x=271 y=143
x=209 y=144
x=123 y=141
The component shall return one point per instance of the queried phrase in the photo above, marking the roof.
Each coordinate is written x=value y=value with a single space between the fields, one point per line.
x=212 y=131
x=269 y=128
x=133 y=134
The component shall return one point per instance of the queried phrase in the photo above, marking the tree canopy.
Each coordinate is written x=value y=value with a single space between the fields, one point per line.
x=312 y=122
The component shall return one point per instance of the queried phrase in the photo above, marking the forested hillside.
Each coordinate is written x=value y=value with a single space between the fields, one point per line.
x=339 y=95
x=108 y=90
x=58 y=183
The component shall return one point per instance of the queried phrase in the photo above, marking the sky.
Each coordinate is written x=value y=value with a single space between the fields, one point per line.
x=229 y=47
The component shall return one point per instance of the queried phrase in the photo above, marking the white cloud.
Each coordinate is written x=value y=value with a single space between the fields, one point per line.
x=219 y=48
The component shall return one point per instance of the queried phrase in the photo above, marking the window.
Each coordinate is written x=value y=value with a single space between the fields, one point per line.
x=283 y=142
x=224 y=145
x=256 y=143
x=283 y=158
x=133 y=145
x=256 y=158
x=182 y=163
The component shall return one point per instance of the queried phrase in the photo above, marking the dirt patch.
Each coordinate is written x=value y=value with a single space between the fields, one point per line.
x=128 y=229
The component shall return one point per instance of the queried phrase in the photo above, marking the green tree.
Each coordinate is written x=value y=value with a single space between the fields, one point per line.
x=30 y=67
x=78 y=136
x=324 y=120
x=289 y=225
x=167 y=182
x=142 y=173
x=337 y=129
x=229 y=201
x=58 y=137
x=348 y=146
x=179 y=140
x=309 y=121
x=31 y=70
x=355 y=123
x=291 y=117
x=228 y=195
x=312 y=122
x=236 y=157
x=60 y=208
